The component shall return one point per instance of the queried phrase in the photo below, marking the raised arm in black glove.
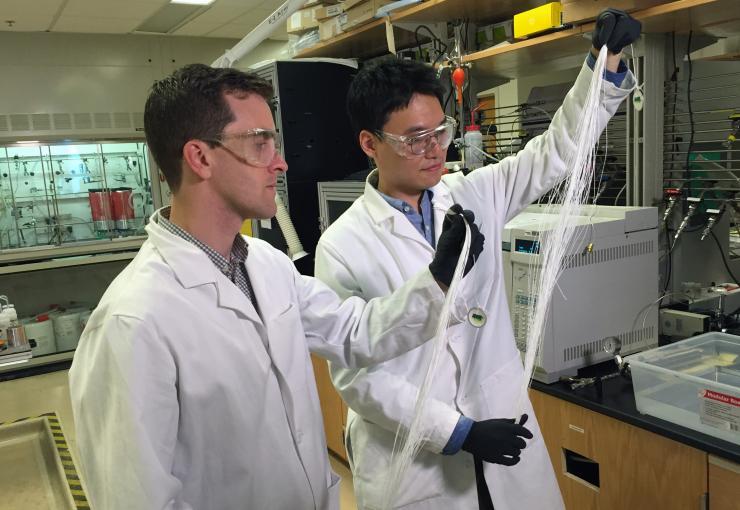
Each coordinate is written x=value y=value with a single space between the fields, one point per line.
x=497 y=441
x=616 y=29
x=451 y=242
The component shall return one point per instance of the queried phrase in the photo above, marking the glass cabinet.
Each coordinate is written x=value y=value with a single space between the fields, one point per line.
x=56 y=194
x=72 y=216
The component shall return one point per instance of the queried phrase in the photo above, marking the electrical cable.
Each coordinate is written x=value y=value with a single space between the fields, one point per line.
x=466 y=26
x=669 y=259
x=435 y=41
x=724 y=259
x=470 y=89
x=620 y=194
x=444 y=108
x=687 y=172
x=735 y=311
x=674 y=79
x=669 y=253
x=646 y=309
x=527 y=106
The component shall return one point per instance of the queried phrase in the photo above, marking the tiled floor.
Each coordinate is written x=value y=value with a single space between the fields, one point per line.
x=41 y=394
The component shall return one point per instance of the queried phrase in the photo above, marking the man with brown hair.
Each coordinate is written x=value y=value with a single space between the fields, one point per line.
x=192 y=386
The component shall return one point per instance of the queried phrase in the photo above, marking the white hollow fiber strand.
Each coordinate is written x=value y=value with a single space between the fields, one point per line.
x=409 y=439
x=565 y=204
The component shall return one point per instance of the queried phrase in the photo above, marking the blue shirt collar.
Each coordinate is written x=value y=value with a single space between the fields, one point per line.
x=423 y=220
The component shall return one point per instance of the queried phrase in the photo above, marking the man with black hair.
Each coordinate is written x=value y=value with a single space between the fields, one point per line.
x=475 y=454
x=192 y=386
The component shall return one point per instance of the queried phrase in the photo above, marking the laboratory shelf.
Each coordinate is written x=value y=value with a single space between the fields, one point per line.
x=36 y=365
x=557 y=50
x=369 y=40
x=83 y=260
x=60 y=196
x=47 y=253
x=566 y=48
x=538 y=54
x=433 y=11
x=364 y=41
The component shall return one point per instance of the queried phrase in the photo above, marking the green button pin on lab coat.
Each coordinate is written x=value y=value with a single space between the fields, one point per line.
x=638 y=99
x=476 y=317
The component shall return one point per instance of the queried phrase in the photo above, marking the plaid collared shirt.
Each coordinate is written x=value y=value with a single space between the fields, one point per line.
x=234 y=269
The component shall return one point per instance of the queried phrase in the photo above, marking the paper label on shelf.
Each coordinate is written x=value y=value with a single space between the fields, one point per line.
x=720 y=410
x=389 y=36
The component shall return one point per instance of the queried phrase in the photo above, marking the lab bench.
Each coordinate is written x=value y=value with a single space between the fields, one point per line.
x=607 y=455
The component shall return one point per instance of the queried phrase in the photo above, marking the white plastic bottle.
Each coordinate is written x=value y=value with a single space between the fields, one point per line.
x=16 y=333
x=474 y=155
x=4 y=323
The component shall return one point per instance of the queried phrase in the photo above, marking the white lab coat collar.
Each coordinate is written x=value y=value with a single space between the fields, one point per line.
x=192 y=268
x=441 y=201
x=382 y=212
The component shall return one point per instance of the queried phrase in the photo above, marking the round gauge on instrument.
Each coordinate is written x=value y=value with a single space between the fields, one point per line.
x=613 y=345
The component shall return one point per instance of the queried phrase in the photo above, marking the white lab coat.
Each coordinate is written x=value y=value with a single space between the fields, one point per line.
x=184 y=397
x=370 y=251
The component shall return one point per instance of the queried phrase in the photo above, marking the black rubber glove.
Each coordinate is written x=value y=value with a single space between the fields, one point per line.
x=616 y=29
x=451 y=242
x=497 y=441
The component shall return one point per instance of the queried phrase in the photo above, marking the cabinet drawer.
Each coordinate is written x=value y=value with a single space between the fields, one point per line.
x=635 y=468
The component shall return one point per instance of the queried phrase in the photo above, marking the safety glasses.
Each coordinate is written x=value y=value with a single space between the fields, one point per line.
x=420 y=143
x=256 y=147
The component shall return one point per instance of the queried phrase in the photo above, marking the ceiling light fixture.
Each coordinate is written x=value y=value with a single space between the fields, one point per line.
x=172 y=16
x=192 y=2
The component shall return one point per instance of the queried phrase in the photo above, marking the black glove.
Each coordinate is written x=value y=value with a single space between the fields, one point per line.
x=497 y=441
x=616 y=29
x=451 y=242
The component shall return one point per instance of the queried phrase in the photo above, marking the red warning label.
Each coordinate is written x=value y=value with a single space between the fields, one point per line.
x=721 y=397
x=720 y=410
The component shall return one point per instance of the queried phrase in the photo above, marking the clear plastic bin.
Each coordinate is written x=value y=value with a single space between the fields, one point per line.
x=694 y=383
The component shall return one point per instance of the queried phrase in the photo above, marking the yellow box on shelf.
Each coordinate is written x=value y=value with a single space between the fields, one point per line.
x=539 y=19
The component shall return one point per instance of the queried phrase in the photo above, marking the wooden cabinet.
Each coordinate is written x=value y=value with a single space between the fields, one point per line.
x=333 y=408
x=602 y=463
x=724 y=484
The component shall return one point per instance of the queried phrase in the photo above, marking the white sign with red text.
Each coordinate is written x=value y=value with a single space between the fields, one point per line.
x=720 y=410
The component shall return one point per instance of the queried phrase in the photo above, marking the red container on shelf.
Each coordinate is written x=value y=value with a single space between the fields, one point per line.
x=122 y=202
x=100 y=208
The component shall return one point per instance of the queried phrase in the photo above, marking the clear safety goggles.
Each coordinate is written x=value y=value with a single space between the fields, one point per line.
x=420 y=143
x=256 y=147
